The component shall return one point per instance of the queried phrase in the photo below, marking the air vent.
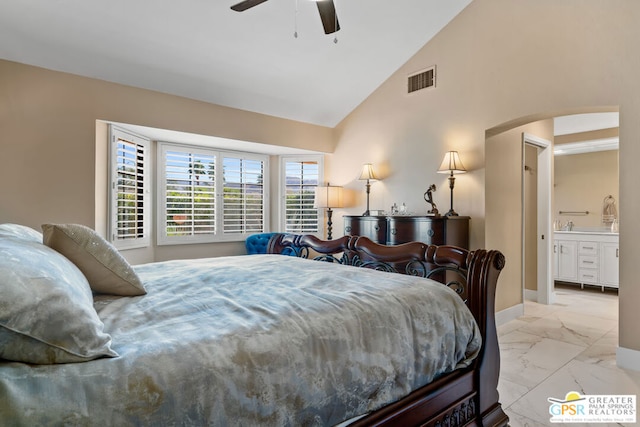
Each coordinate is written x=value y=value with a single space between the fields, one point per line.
x=422 y=80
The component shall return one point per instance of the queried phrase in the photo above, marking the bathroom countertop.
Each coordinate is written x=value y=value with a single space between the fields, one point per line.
x=602 y=232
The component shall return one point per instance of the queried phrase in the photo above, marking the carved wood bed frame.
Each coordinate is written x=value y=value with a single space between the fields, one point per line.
x=465 y=397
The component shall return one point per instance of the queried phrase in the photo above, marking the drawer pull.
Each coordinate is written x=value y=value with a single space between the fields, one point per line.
x=587 y=262
x=588 y=275
x=588 y=247
x=347 y=229
x=376 y=227
x=393 y=231
x=617 y=256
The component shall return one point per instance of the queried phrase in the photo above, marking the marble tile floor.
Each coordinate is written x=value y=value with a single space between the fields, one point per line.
x=555 y=349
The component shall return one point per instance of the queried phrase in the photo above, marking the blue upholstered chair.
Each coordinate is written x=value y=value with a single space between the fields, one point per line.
x=257 y=243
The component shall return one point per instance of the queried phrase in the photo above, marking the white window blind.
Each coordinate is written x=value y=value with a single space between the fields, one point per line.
x=207 y=195
x=243 y=195
x=301 y=177
x=189 y=193
x=129 y=226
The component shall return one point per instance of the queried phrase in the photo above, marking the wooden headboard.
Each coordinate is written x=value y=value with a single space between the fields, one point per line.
x=446 y=264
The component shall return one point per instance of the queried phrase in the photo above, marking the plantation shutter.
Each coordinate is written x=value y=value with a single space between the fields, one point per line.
x=129 y=225
x=243 y=195
x=301 y=179
x=189 y=193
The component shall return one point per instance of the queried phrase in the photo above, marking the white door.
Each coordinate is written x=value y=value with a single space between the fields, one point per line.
x=545 y=270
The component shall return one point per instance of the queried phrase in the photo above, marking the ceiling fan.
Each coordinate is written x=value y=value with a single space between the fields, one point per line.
x=326 y=8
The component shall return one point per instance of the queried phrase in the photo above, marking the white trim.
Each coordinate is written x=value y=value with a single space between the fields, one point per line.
x=627 y=358
x=509 y=314
x=536 y=140
x=591 y=146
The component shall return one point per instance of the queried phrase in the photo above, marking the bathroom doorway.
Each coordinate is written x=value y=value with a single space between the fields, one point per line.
x=569 y=181
x=537 y=233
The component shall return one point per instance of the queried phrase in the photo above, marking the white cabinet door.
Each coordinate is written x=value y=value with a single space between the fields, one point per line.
x=609 y=254
x=567 y=260
x=556 y=246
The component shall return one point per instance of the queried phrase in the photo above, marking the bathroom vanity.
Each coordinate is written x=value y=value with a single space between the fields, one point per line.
x=586 y=258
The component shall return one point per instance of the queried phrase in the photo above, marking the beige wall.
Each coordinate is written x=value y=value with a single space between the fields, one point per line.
x=504 y=154
x=587 y=136
x=501 y=64
x=53 y=157
x=582 y=181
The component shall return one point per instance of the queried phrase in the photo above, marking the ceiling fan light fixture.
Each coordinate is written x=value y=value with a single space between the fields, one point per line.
x=326 y=8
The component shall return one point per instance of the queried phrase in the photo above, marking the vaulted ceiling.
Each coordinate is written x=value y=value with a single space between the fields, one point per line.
x=250 y=60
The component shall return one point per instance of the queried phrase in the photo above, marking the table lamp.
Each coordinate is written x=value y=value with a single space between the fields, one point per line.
x=328 y=197
x=451 y=164
x=368 y=175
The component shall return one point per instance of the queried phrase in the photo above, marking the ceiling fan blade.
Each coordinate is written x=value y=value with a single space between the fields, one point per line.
x=328 y=15
x=247 y=4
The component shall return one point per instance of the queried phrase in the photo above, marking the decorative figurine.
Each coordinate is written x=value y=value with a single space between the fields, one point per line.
x=428 y=197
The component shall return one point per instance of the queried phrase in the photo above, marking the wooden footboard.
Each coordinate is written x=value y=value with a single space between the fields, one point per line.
x=464 y=397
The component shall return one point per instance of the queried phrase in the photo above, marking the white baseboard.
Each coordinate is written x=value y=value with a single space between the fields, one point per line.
x=508 y=314
x=530 y=295
x=627 y=358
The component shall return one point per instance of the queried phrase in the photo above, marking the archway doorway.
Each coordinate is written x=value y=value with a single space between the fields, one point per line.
x=503 y=197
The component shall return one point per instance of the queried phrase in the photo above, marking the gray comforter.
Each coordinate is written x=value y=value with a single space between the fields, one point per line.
x=251 y=340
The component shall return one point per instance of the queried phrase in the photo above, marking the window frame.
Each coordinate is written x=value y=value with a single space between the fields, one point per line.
x=219 y=235
x=116 y=134
x=282 y=187
x=266 y=202
x=161 y=210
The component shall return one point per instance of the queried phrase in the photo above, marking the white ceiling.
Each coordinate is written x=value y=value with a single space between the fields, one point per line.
x=201 y=49
x=577 y=123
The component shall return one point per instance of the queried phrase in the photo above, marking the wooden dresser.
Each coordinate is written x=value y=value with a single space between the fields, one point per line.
x=394 y=230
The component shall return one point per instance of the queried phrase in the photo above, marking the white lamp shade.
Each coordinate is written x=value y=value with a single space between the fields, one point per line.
x=367 y=172
x=328 y=197
x=451 y=163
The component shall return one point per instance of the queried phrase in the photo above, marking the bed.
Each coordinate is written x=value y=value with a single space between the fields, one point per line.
x=86 y=339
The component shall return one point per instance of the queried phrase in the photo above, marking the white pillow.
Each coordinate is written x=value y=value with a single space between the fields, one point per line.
x=106 y=270
x=46 y=308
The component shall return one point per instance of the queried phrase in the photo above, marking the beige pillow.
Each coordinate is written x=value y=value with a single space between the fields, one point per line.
x=46 y=308
x=106 y=270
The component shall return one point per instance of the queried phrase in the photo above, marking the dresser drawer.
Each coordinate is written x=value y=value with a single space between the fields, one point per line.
x=374 y=227
x=587 y=261
x=588 y=248
x=406 y=229
x=587 y=276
